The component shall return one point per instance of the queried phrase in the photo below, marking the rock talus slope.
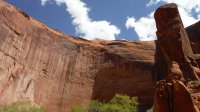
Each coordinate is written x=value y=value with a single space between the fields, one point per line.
x=58 y=71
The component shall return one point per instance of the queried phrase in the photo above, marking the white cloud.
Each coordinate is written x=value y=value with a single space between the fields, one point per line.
x=85 y=26
x=152 y=2
x=142 y=26
x=187 y=17
x=43 y=2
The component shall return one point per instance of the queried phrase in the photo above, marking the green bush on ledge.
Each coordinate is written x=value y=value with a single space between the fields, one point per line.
x=119 y=103
x=21 y=106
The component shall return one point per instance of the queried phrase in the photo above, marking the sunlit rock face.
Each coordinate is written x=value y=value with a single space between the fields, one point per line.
x=59 y=71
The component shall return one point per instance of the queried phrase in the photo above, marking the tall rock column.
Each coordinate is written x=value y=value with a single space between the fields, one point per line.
x=174 y=46
x=173 y=40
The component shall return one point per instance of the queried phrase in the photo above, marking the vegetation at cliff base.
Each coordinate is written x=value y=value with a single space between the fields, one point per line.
x=119 y=103
x=21 y=106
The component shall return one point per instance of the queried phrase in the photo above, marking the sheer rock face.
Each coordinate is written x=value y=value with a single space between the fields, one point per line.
x=58 y=71
x=173 y=93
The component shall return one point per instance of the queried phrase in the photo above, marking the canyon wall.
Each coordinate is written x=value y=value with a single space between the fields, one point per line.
x=59 y=71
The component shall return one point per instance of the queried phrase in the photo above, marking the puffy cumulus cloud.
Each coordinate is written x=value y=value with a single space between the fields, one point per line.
x=86 y=27
x=145 y=26
x=187 y=17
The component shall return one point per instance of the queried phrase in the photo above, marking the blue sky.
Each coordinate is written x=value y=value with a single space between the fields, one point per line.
x=107 y=19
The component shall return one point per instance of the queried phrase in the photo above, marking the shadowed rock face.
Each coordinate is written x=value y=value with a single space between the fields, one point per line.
x=193 y=32
x=58 y=71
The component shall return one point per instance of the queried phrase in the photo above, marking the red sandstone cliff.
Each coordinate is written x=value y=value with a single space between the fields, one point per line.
x=58 y=71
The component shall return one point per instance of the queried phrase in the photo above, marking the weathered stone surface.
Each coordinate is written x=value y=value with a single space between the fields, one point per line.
x=173 y=97
x=193 y=32
x=58 y=71
x=180 y=67
x=173 y=39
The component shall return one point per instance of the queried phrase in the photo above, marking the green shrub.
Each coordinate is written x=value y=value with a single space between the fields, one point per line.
x=95 y=106
x=119 y=103
x=21 y=106
x=78 y=109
